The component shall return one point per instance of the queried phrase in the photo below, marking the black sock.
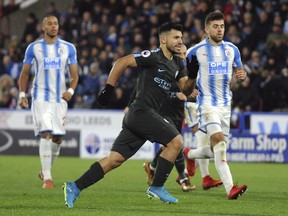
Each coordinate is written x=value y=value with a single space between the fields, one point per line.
x=163 y=170
x=155 y=159
x=180 y=166
x=91 y=176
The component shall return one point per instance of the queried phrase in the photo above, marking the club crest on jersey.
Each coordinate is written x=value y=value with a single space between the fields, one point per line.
x=145 y=53
x=228 y=53
x=60 y=50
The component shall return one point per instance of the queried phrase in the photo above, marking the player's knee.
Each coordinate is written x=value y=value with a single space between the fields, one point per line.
x=178 y=143
x=221 y=148
x=46 y=135
x=217 y=138
x=57 y=139
x=115 y=159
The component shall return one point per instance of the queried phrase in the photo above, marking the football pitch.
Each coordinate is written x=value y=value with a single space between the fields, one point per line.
x=122 y=191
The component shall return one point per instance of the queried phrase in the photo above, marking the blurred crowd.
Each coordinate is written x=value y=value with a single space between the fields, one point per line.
x=105 y=30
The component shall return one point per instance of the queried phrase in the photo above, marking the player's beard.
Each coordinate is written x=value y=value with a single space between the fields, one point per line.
x=52 y=35
x=216 y=39
x=172 y=50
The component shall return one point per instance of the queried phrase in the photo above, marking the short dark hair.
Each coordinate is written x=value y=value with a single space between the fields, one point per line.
x=215 y=15
x=168 y=26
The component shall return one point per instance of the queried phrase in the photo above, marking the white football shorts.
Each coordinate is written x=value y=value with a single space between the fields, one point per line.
x=218 y=119
x=49 y=116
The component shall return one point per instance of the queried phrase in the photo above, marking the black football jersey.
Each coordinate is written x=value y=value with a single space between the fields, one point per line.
x=156 y=77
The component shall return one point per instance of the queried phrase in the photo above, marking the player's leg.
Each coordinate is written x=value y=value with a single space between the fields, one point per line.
x=45 y=155
x=155 y=159
x=125 y=146
x=58 y=124
x=150 y=167
x=55 y=147
x=161 y=131
x=164 y=167
x=42 y=118
x=218 y=143
x=183 y=178
x=204 y=151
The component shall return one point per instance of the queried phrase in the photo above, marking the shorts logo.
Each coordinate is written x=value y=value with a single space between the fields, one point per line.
x=160 y=70
x=206 y=117
x=216 y=68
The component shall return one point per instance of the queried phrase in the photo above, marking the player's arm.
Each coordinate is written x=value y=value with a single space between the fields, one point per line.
x=23 y=80
x=188 y=84
x=240 y=74
x=118 y=68
x=74 y=77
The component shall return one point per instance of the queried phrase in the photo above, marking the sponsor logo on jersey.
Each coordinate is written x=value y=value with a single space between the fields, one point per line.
x=162 y=83
x=52 y=63
x=216 y=68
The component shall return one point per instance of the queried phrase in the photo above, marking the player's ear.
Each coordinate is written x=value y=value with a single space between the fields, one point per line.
x=162 y=39
x=206 y=30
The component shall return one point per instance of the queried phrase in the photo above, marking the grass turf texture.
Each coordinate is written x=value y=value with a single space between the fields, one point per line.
x=122 y=191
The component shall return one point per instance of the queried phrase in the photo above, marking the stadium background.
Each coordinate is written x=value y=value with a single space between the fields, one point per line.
x=106 y=30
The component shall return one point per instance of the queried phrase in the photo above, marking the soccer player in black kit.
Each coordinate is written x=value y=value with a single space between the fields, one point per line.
x=173 y=111
x=157 y=70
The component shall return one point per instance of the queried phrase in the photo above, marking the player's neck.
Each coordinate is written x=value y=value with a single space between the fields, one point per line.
x=50 y=40
x=166 y=53
x=214 y=43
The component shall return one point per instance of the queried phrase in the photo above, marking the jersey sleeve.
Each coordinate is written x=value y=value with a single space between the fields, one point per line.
x=72 y=59
x=29 y=55
x=237 y=58
x=145 y=59
x=181 y=63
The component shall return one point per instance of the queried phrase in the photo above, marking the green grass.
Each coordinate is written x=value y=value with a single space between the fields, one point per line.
x=122 y=191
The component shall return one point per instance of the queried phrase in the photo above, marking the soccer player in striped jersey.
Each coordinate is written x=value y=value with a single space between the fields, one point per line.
x=50 y=58
x=218 y=61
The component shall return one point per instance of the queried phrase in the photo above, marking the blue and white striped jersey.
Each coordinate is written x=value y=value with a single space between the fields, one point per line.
x=50 y=62
x=216 y=64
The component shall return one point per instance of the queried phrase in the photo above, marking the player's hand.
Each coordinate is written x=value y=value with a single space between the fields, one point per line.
x=181 y=96
x=240 y=74
x=105 y=95
x=194 y=94
x=66 y=96
x=192 y=67
x=23 y=103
